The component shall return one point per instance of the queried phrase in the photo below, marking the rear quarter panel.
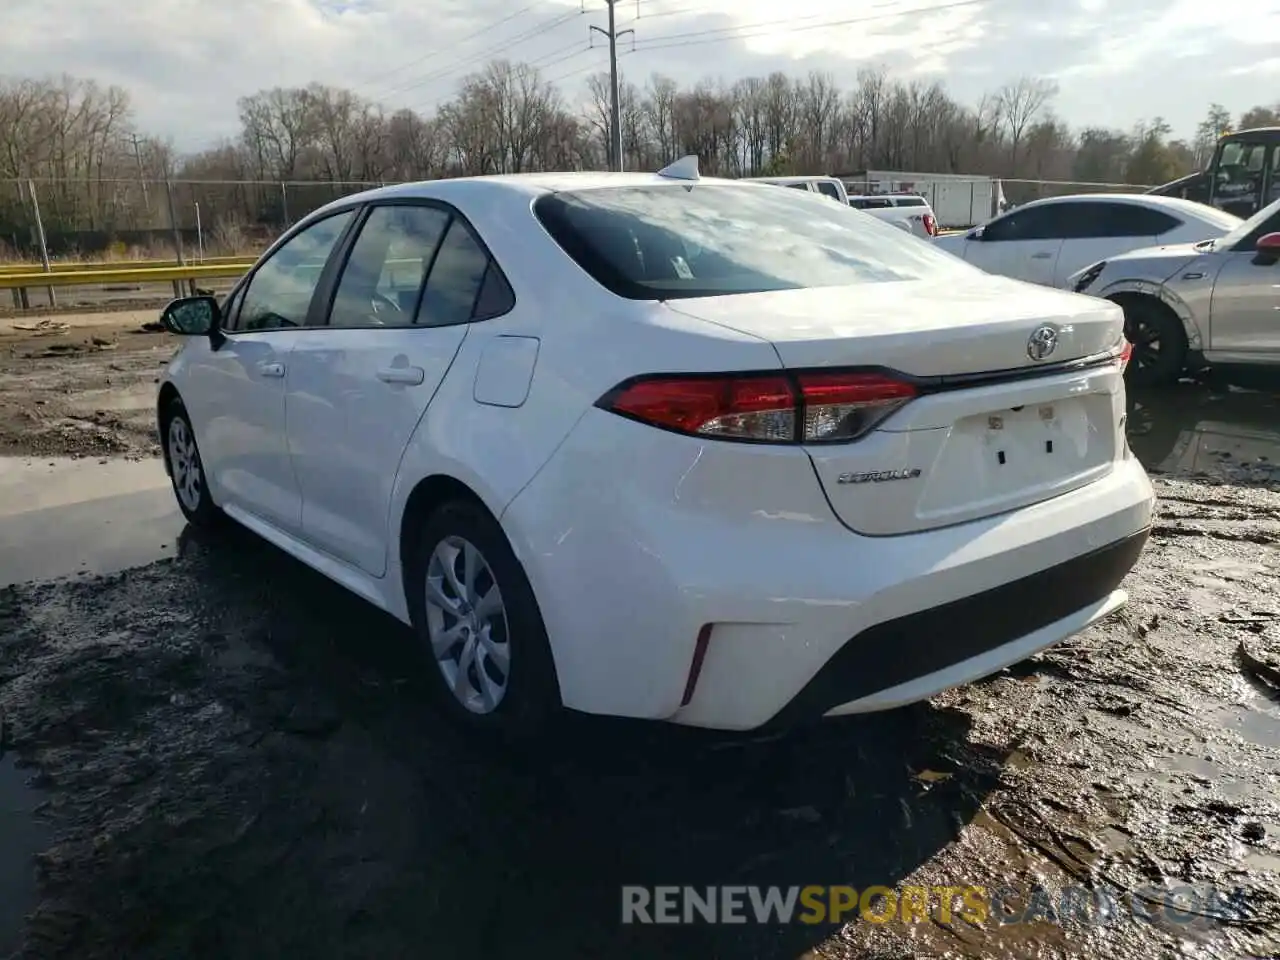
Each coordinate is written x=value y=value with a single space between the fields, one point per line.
x=589 y=341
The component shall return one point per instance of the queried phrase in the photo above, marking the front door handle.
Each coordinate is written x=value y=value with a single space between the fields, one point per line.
x=271 y=369
x=413 y=376
x=1041 y=256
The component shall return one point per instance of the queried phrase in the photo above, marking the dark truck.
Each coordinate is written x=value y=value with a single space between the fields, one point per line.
x=1242 y=177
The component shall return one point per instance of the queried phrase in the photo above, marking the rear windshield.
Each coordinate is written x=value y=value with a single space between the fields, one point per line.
x=864 y=203
x=672 y=241
x=910 y=201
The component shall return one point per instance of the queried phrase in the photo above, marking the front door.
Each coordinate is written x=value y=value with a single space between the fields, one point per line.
x=360 y=383
x=1239 y=175
x=1023 y=244
x=1244 y=316
x=238 y=390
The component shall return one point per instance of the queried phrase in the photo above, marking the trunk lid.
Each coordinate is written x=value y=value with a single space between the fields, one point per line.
x=922 y=328
x=963 y=449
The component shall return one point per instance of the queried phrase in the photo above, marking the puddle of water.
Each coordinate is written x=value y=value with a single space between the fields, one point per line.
x=141 y=397
x=1190 y=429
x=1216 y=773
x=1251 y=723
x=21 y=838
x=1261 y=861
x=60 y=517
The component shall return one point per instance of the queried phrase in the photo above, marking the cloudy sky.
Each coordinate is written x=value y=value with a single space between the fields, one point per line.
x=186 y=61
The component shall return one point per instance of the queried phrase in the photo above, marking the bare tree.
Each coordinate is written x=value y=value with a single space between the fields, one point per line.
x=100 y=177
x=1020 y=103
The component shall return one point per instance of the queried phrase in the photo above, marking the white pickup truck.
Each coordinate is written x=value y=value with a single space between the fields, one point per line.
x=905 y=210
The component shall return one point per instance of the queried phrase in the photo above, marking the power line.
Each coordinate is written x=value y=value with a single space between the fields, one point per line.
x=484 y=55
x=554 y=58
x=380 y=78
x=663 y=43
x=580 y=70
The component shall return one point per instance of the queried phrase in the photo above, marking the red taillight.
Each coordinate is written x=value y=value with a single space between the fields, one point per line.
x=1123 y=353
x=809 y=407
x=931 y=224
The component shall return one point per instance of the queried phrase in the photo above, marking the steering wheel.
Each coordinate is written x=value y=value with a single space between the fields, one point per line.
x=380 y=305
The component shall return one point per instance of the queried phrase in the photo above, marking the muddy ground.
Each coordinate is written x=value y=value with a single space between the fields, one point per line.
x=233 y=758
x=81 y=385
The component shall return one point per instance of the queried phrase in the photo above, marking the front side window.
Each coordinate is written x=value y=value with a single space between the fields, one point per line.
x=675 y=241
x=1244 y=237
x=1273 y=188
x=1028 y=223
x=383 y=275
x=280 y=291
x=828 y=190
x=1241 y=165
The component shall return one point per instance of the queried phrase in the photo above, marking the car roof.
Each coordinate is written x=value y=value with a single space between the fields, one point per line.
x=528 y=185
x=1189 y=208
x=794 y=179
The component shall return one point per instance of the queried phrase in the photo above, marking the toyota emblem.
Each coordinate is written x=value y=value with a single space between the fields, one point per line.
x=1042 y=342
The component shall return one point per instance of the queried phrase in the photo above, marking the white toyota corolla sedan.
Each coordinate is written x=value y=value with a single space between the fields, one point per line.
x=662 y=446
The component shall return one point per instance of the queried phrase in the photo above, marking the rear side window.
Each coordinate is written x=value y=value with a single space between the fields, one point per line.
x=797 y=186
x=673 y=241
x=1092 y=219
x=457 y=281
x=1130 y=220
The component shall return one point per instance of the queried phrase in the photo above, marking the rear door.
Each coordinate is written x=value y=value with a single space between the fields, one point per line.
x=1094 y=230
x=415 y=276
x=1023 y=244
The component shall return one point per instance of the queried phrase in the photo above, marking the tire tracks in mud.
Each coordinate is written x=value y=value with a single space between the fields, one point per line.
x=203 y=784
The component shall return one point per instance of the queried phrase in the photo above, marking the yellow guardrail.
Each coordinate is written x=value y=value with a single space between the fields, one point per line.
x=10 y=269
x=131 y=275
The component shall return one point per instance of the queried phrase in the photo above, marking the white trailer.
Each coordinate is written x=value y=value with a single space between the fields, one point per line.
x=958 y=200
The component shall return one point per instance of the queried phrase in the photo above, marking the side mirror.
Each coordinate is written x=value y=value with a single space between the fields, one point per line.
x=1267 y=249
x=192 y=316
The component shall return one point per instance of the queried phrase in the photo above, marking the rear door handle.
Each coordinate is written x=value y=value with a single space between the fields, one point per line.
x=410 y=375
x=271 y=369
x=1043 y=255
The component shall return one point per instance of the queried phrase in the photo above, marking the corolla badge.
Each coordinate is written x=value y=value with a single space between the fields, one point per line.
x=879 y=476
x=1042 y=342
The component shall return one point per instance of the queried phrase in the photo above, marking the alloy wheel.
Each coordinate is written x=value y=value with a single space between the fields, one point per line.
x=184 y=464
x=467 y=625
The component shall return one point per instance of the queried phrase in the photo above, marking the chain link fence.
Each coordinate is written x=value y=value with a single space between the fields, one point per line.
x=188 y=221
x=174 y=221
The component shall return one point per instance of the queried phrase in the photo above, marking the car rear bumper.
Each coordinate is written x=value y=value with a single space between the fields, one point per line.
x=675 y=538
x=915 y=656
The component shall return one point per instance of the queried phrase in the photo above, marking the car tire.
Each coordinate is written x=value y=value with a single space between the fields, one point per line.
x=490 y=660
x=1159 y=343
x=186 y=469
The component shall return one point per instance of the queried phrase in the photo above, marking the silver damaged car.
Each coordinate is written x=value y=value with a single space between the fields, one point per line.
x=1216 y=302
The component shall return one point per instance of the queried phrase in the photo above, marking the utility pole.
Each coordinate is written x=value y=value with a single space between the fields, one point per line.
x=142 y=173
x=615 y=126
